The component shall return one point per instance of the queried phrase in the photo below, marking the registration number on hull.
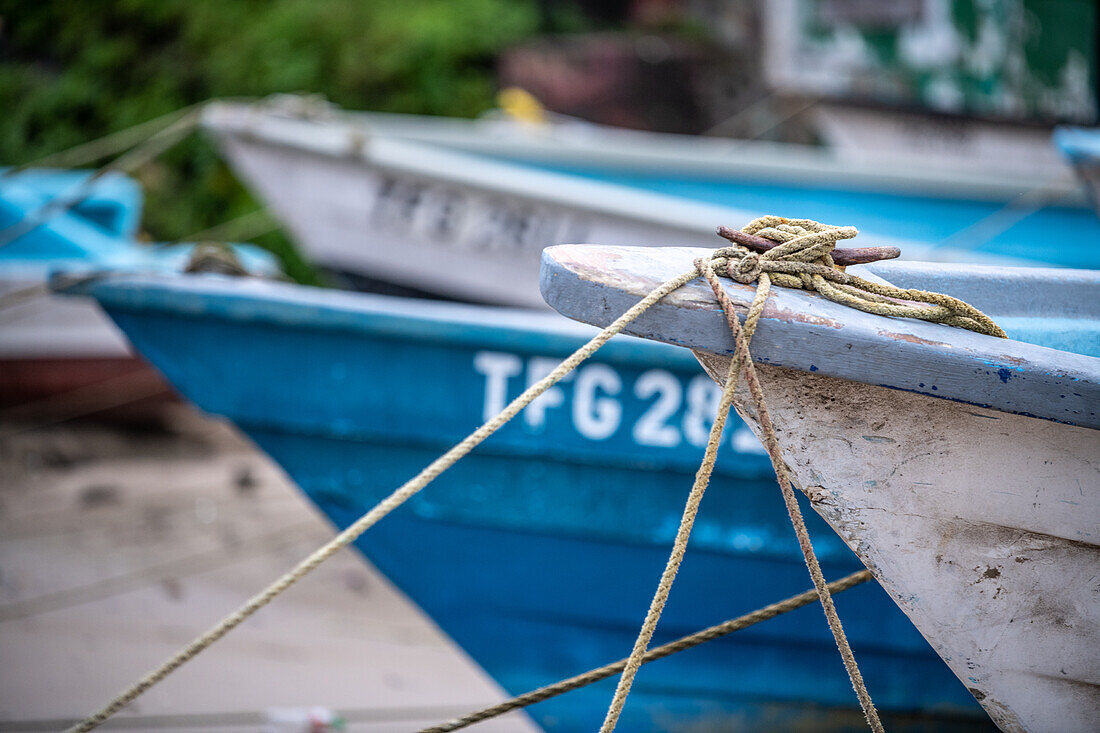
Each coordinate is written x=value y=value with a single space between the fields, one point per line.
x=655 y=408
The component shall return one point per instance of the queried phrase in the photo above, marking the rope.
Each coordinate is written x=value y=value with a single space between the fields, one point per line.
x=243 y=228
x=387 y=505
x=699 y=487
x=804 y=261
x=110 y=144
x=771 y=444
x=666 y=650
x=136 y=157
x=805 y=243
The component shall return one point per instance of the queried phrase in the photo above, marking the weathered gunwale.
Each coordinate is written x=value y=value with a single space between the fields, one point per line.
x=804 y=331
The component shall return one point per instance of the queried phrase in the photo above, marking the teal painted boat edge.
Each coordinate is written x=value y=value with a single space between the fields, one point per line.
x=804 y=331
x=113 y=202
x=1079 y=144
x=334 y=310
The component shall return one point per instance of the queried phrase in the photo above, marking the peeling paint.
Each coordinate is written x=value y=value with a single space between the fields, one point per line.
x=894 y=336
x=790 y=316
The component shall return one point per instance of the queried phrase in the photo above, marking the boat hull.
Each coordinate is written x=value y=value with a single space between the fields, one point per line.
x=981 y=525
x=62 y=358
x=538 y=552
x=479 y=244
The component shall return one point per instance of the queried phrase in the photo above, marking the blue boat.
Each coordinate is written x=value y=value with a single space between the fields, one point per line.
x=50 y=345
x=113 y=202
x=538 y=552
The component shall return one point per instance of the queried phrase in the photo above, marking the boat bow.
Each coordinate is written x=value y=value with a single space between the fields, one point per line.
x=963 y=470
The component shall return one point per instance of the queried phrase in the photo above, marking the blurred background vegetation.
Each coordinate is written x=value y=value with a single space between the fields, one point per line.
x=73 y=71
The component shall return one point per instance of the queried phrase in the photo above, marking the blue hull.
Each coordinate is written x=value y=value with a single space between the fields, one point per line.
x=539 y=552
x=1018 y=229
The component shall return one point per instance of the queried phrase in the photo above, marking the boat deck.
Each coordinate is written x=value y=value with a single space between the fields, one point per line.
x=117 y=547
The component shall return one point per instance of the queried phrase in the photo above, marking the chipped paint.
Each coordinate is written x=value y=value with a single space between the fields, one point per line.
x=910 y=338
x=796 y=316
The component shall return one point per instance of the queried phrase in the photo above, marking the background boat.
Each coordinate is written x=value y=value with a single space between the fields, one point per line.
x=62 y=347
x=376 y=196
x=537 y=553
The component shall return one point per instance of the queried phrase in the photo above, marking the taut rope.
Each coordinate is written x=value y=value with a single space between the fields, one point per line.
x=665 y=650
x=802 y=260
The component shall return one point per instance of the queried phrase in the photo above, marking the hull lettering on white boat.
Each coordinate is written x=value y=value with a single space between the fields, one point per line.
x=462 y=219
x=444 y=222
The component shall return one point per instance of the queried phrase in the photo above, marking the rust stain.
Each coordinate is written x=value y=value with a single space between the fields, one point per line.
x=789 y=316
x=910 y=338
x=1015 y=360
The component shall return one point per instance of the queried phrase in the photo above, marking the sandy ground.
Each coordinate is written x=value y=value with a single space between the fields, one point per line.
x=118 y=546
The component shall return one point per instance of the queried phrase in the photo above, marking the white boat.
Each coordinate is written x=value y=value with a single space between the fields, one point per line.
x=963 y=469
x=462 y=209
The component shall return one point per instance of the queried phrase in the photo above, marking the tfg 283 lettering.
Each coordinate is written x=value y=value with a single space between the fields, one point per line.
x=672 y=412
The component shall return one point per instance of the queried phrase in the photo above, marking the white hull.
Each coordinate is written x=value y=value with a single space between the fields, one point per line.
x=469 y=228
x=451 y=238
x=989 y=162
x=982 y=526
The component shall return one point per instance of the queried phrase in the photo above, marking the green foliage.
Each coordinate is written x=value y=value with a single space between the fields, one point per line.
x=73 y=71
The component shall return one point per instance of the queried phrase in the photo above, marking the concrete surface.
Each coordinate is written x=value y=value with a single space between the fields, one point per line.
x=118 y=546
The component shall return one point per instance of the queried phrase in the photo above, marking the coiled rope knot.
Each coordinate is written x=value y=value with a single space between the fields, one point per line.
x=803 y=259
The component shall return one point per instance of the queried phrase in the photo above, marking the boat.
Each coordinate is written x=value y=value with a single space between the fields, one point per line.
x=1081 y=147
x=378 y=197
x=113 y=201
x=62 y=349
x=962 y=469
x=537 y=553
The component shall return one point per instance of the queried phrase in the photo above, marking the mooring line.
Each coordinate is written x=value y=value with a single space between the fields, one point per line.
x=673 y=647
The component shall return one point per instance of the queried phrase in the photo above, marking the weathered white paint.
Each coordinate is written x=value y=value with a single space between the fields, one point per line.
x=983 y=526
